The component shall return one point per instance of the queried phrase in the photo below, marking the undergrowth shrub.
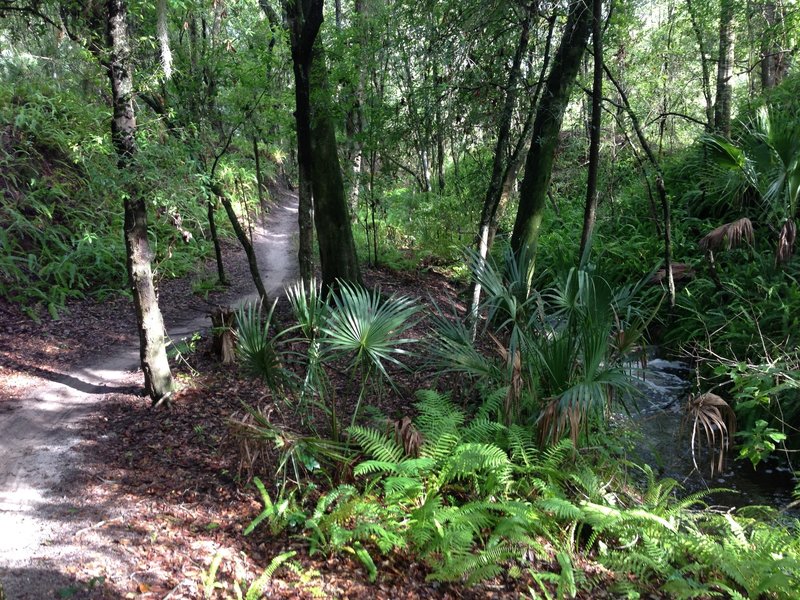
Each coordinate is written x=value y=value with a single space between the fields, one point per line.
x=474 y=498
x=61 y=201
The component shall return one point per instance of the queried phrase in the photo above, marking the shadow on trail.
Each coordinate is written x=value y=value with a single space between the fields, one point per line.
x=72 y=381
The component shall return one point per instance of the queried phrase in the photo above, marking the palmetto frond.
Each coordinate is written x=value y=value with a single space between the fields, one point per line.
x=368 y=329
x=712 y=417
x=729 y=235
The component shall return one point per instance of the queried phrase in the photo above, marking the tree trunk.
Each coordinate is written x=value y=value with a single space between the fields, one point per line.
x=303 y=27
x=259 y=180
x=241 y=235
x=590 y=210
x=546 y=127
x=493 y=192
x=163 y=38
x=770 y=55
x=212 y=225
x=356 y=119
x=662 y=192
x=223 y=341
x=722 y=106
x=337 y=249
x=318 y=160
x=152 y=349
x=698 y=33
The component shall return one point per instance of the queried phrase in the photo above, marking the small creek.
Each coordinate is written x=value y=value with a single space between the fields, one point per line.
x=657 y=414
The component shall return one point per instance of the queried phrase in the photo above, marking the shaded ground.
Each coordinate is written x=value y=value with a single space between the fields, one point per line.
x=102 y=497
x=56 y=375
x=107 y=498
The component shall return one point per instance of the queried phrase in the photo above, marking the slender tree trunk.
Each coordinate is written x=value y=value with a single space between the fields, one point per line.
x=356 y=118
x=546 y=127
x=590 y=210
x=770 y=56
x=493 y=192
x=150 y=325
x=244 y=240
x=662 y=192
x=259 y=180
x=212 y=225
x=163 y=38
x=722 y=105
x=704 y=60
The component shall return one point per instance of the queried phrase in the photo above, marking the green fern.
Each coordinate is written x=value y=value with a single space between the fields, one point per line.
x=377 y=444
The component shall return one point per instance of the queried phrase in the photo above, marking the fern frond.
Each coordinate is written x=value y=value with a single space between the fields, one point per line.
x=437 y=414
x=376 y=444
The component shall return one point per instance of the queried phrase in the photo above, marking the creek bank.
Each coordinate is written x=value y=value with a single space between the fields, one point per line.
x=657 y=414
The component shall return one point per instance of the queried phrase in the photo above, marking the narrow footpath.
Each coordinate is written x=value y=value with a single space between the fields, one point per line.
x=42 y=428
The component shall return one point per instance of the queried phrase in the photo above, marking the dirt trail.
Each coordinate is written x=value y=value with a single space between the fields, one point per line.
x=40 y=432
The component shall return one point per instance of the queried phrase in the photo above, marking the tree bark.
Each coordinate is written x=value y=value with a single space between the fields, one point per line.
x=494 y=191
x=337 y=250
x=241 y=235
x=318 y=160
x=662 y=192
x=303 y=28
x=722 y=105
x=771 y=71
x=590 y=209
x=706 y=71
x=259 y=180
x=212 y=225
x=150 y=324
x=546 y=127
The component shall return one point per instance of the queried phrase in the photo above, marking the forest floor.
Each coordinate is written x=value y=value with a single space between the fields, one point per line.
x=103 y=497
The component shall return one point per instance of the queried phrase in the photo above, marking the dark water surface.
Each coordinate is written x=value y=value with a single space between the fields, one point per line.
x=657 y=414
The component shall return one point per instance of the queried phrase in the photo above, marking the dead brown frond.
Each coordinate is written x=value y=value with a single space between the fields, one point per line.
x=555 y=421
x=511 y=402
x=786 y=241
x=710 y=415
x=407 y=435
x=254 y=449
x=681 y=272
x=727 y=236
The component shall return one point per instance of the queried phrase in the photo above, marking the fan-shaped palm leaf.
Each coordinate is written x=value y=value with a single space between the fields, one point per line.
x=369 y=329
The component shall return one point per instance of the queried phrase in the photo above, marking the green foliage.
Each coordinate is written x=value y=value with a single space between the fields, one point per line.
x=62 y=201
x=481 y=498
x=561 y=348
x=258 y=347
x=256 y=589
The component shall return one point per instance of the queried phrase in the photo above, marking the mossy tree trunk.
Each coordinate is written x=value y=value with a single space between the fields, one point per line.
x=318 y=159
x=724 y=99
x=592 y=196
x=150 y=325
x=547 y=125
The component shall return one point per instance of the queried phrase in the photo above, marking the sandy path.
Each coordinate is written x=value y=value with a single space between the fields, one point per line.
x=39 y=434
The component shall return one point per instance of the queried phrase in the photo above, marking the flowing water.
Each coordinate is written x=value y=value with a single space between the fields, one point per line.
x=657 y=414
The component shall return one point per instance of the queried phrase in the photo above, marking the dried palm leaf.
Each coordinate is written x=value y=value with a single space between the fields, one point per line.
x=511 y=402
x=727 y=236
x=555 y=420
x=407 y=435
x=786 y=241
x=712 y=417
x=680 y=272
x=254 y=450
